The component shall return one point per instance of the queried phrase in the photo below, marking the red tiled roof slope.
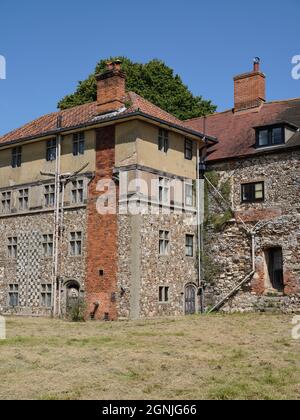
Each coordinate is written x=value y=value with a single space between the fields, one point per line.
x=236 y=133
x=85 y=114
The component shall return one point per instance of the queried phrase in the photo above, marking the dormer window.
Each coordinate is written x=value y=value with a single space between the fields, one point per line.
x=270 y=136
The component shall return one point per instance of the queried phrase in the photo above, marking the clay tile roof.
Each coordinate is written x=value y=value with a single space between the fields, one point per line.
x=48 y=123
x=86 y=114
x=236 y=131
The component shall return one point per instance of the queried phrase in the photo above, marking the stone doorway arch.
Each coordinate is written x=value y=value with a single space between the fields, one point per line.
x=72 y=296
x=190 y=299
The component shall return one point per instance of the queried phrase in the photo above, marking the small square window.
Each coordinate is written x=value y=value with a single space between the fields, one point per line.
x=253 y=192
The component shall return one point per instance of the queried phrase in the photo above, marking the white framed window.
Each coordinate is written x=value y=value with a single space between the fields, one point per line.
x=75 y=244
x=23 y=199
x=46 y=295
x=189 y=245
x=12 y=247
x=6 y=201
x=189 y=194
x=164 y=242
x=48 y=245
x=51 y=150
x=164 y=191
x=49 y=195
x=77 y=192
x=78 y=144
x=13 y=295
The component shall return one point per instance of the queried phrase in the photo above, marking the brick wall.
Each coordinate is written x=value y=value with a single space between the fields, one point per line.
x=111 y=87
x=249 y=90
x=102 y=234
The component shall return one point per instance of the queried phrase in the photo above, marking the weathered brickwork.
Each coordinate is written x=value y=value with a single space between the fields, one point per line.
x=101 y=275
x=277 y=226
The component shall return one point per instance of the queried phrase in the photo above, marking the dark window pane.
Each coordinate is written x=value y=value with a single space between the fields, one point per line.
x=253 y=192
x=263 y=138
x=51 y=150
x=277 y=135
x=188 y=153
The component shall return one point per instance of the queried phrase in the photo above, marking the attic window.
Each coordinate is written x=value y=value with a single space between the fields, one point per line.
x=270 y=136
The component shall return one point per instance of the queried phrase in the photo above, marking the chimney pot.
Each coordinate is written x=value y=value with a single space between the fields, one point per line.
x=256 y=62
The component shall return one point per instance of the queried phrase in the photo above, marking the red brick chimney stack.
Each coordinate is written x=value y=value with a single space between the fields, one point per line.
x=111 y=88
x=250 y=89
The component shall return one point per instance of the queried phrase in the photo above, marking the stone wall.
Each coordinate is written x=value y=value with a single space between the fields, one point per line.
x=142 y=270
x=31 y=268
x=277 y=221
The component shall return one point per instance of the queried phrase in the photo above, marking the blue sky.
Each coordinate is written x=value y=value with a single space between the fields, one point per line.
x=50 y=45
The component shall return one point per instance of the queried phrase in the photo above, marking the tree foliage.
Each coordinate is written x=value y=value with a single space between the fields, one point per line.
x=155 y=81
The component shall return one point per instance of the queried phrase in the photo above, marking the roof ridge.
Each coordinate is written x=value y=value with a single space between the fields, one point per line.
x=156 y=106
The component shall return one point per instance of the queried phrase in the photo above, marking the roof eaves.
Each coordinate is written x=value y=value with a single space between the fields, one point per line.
x=281 y=149
x=107 y=120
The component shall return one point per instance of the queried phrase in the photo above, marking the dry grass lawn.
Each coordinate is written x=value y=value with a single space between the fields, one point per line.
x=209 y=357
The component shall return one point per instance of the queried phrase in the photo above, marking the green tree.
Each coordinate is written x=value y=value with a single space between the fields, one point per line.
x=155 y=81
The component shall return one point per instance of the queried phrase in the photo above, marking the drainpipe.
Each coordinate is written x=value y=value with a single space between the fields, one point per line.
x=56 y=220
x=253 y=251
x=200 y=198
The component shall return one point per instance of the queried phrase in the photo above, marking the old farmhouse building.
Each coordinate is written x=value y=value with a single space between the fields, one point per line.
x=99 y=204
x=253 y=192
x=57 y=247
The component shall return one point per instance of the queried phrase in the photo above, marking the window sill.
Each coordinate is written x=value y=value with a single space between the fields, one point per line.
x=253 y=202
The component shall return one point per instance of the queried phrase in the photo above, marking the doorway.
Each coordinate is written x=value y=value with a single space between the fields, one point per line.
x=274 y=262
x=190 y=299
x=72 y=296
